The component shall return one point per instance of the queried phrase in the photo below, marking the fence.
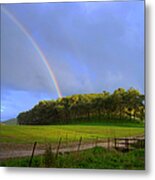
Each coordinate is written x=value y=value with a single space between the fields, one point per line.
x=122 y=144
x=127 y=144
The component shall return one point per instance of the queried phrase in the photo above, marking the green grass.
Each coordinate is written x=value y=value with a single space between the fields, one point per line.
x=88 y=131
x=95 y=158
x=111 y=122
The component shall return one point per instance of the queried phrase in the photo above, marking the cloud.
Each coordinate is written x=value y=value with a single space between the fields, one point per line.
x=113 y=77
x=90 y=47
x=2 y=109
x=95 y=38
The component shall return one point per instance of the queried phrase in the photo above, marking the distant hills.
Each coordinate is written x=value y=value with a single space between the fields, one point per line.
x=12 y=121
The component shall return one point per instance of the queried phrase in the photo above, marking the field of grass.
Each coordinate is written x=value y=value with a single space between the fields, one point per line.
x=95 y=158
x=88 y=131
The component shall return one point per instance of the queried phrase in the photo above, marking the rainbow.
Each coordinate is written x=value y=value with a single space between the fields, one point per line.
x=37 y=48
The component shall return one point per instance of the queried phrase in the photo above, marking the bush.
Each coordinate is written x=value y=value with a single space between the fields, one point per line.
x=49 y=157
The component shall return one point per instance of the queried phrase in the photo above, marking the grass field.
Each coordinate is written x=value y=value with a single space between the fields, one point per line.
x=95 y=158
x=43 y=134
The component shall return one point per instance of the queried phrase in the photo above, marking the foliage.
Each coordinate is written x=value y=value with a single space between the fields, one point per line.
x=121 y=104
x=49 y=158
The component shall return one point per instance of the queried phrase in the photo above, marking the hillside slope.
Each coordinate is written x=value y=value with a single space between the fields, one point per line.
x=12 y=121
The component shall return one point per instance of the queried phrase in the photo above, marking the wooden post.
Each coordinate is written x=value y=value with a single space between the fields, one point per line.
x=58 y=147
x=142 y=143
x=80 y=140
x=127 y=144
x=34 y=146
x=115 y=140
x=134 y=140
x=108 y=143
x=96 y=141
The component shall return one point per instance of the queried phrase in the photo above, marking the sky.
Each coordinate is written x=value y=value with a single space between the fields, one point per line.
x=50 y=50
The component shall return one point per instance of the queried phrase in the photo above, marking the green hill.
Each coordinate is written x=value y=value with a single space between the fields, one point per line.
x=12 y=121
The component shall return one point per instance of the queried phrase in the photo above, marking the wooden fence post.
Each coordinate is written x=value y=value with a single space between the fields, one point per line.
x=115 y=140
x=34 y=146
x=134 y=140
x=58 y=147
x=80 y=140
x=108 y=143
x=96 y=141
x=142 y=143
x=127 y=144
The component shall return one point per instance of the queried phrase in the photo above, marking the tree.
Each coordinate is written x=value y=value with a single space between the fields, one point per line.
x=120 y=104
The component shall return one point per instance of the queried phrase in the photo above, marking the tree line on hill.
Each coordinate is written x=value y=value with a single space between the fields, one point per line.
x=120 y=104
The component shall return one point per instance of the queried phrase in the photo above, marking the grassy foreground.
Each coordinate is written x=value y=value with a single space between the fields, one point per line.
x=44 y=134
x=95 y=158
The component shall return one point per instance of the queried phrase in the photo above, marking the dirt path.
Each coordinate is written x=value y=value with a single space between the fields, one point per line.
x=23 y=153
x=26 y=150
